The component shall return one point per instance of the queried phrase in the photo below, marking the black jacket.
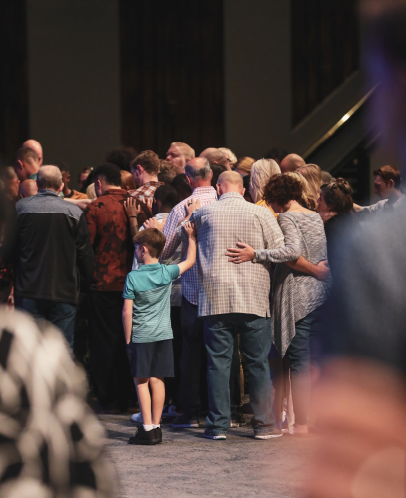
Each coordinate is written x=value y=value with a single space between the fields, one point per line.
x=50 y=249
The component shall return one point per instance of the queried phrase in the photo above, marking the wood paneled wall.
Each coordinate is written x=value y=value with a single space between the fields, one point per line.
x=172 y=73
x=325 y=50
x=14 y=79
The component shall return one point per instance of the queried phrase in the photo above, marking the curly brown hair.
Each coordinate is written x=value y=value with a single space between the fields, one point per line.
x=281 y=189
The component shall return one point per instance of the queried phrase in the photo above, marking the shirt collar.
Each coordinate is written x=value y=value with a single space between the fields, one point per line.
x=153 y=266
x=45 y=191
x=115 y=191
x=232 y=195
x=204 y=190
x=34 y=176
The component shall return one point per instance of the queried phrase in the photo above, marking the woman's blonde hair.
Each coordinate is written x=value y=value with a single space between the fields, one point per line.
x=244 y=164
x=308 y=198
x=312 y=173
x=261 y=172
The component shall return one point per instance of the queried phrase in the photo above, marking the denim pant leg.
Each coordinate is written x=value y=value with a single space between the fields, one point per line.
x=62 y=315
x=255 y=344
x=193 y=360
x=219 y=337
x=235 y=382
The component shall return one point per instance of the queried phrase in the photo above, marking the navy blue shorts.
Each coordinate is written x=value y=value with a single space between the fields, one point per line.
x=152 y=359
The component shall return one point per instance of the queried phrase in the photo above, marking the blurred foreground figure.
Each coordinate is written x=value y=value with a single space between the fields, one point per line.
x=361 y=398
x=50 y=441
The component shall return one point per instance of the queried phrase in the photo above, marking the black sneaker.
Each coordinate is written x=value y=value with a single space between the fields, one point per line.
x=159 y=434
x=145 y=437
x=186 y=422
x=275 y=432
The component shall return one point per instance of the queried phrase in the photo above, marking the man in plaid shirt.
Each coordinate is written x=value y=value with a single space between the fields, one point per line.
x=145 y=169
x=235 y=297
x=193 y=363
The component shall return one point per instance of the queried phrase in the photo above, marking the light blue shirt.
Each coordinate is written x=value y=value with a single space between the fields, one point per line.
x=150 y=288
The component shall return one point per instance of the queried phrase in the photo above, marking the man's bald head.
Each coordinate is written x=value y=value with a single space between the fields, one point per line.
x=28 y=188
x=230 y=181
x=291 y=163
x=36 y=147
x=49 y=178
x=215 y=156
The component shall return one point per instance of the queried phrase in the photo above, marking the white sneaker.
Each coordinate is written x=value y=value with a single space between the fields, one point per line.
x=137 y=418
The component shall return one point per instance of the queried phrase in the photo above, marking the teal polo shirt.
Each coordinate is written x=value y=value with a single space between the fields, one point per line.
x=150 y=288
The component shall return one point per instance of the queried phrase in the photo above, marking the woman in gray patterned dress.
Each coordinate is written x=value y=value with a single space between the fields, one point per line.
x=296 y=296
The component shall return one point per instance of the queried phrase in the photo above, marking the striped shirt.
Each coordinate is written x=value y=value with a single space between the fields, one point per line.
x=190 y=279
x=150 y=289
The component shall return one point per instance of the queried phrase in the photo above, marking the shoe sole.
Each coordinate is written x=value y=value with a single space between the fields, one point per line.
x=267 y=436
x=186 y=426
x=215 y=438
x=144 y=443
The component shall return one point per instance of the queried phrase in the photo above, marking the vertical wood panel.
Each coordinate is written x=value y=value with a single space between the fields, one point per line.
x=172 y=73
x=14 y=81
x=325 y=50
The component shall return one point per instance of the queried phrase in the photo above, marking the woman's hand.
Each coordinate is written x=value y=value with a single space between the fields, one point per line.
x=130 y=206
x=243 y=253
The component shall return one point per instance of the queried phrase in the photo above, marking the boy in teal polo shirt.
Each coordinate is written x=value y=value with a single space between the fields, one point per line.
x=147 y=325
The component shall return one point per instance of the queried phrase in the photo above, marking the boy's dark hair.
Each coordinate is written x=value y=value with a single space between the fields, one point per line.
x=121 y=157
x=182 y=188
x=389 y=173
x=110 y=172
x=167 y=195
x=148 y=160
x=152 y=239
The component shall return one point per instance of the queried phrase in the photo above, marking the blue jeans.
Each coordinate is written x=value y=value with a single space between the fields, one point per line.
x=62 y=315
x=303 y=347
x=255 y=342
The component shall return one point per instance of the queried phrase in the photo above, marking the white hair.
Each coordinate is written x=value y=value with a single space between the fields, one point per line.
x=229 y=154
x=261 y=172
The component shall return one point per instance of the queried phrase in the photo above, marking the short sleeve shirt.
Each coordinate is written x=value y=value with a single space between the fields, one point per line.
x=150 y=288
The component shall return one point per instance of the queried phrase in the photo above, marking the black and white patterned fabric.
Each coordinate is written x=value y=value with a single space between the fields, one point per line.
x=50 y=441
x=295 y=294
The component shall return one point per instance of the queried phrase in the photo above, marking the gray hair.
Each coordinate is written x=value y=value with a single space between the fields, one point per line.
x=49 y=178
x=261 y=172
x=194 y=173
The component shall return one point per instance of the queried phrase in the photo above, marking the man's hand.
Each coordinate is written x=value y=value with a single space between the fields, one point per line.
x=244 y=253
x=192 y=206
x=154 y=223
x=131 y=208
x=190 y=229
x=322 y=271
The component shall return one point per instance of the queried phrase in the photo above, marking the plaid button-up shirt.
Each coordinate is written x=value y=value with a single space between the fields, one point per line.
x=206 y=195
x=225 y=287
x=146 y=191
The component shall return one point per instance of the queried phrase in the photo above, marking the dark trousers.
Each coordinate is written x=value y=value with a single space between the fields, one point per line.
x=109 y=365
x=193 y=384
x=62 y=315
x=255 y=342
x=172 y=384
x=304 y=345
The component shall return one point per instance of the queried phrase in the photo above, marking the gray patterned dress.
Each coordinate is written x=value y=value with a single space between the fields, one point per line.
x=295 y=294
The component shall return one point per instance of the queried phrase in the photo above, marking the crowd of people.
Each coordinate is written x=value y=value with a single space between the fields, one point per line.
x=172 y=278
